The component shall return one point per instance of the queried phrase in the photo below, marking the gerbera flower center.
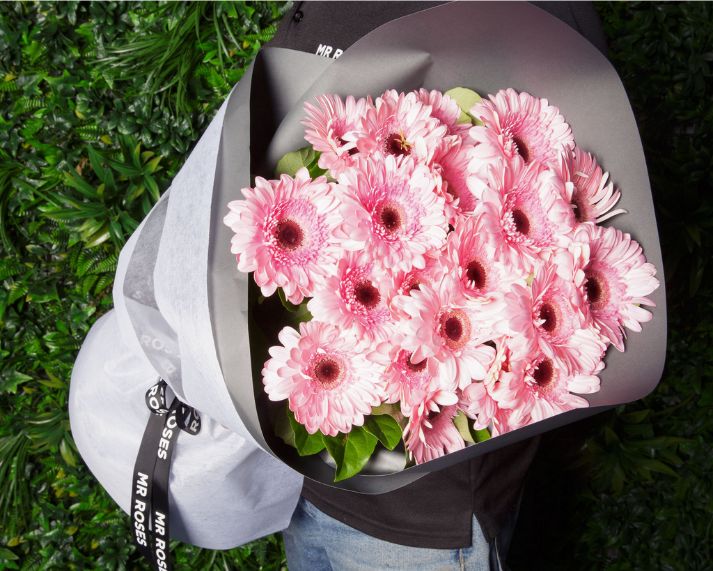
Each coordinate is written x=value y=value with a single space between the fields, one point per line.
x=579 y=211
x=521 y=149
x=454 y=328
x=396 y=144
x=432 y=415
x=366 y=294
x=476 y=274
x=597 y=290
x=327 y=371
x=390 y=218
x=544 y=373
x=415 y=367
x=289 y=234
x=352 y=151
x=521 y=221
x=548 y=315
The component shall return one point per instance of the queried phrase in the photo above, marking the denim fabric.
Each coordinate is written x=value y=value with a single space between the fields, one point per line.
x=315 y=541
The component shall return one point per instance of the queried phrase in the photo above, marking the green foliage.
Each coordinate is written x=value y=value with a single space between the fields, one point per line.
x=651 y=492
x=305 y=443
x=466 y=99
x=293 y=161
x=164 y=40
x=350 y=451
x=385 y=428
x=639 y=493
x=89 y=138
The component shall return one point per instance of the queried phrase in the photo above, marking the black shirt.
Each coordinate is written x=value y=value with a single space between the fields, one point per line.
x=435 y=511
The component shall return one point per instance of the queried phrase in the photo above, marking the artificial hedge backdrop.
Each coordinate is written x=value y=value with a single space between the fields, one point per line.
x=100 y=104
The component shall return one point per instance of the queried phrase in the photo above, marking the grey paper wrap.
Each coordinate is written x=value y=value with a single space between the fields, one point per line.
x=488 y=46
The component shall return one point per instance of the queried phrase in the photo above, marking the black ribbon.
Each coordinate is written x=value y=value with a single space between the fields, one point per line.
x=149 y=495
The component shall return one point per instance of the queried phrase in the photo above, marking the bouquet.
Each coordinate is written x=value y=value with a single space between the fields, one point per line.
x=444 y=272
x=470 y=300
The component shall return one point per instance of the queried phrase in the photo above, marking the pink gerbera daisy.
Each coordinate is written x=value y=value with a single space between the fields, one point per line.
x=473 y=254
x=526 y=205
x=330 y=128
x=406 y=281
x=546 y=388
x=518 y=126
x=591 y=193
x=617 y=279
x=431 y=433
x=409 y=383
x=451 y=163
x=400 y=125
x=491 y=401
x=324 y=373
x=390 y=209
x=357 y=296
x=284 y=233
x=445 y=109
x=550 y=318
x=446 y=326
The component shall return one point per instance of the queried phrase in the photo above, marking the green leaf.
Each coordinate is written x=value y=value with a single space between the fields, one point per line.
x=77 y=182
x=652 y=465
x=635 y=417
x=288 y=305
x=350 y=452
x=462 y=423
x=67 y=453
x=466 y=99
x=11 y=380
x=385 y=428
x=481 y=435
x=7 y=555
x=96 y=160
x=305 y=443
x=466 y=430
x=295 y=160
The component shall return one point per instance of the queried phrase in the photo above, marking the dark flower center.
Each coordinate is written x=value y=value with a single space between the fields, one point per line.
x=415 y=367
x=396 y=144
x=475 y=272
x=597 y=290
x=578 y=210
x=289 y=235
x=352 y=151
x=327 y=371
x=593 y=289
x=432 y=414
x=522 y=223
x=390 y=218
x=544 y=373
x=455 y=328
x=366 y=294
x=522 y=149
x=548 y=314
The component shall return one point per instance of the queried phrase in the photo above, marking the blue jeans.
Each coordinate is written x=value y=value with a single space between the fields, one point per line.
x=315 y=541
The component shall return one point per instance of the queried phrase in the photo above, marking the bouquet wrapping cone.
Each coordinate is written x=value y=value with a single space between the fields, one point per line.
x=181 y=306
